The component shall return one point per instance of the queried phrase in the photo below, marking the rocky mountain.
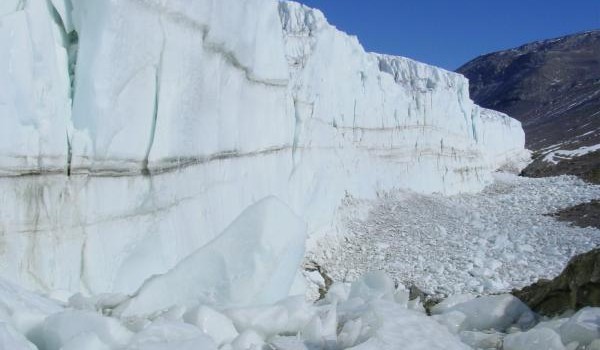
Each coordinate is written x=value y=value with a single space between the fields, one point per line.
x=553 y=88
x=575 y=288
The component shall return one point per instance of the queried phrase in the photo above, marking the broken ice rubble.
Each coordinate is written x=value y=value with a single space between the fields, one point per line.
x=372 y=313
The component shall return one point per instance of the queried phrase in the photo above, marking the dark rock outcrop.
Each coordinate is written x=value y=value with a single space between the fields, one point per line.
x=313 y=266
x=586 y=167
x=576 y=287
x=582 y=215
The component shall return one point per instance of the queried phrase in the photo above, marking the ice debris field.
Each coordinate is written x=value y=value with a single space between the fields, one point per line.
x=489 y=242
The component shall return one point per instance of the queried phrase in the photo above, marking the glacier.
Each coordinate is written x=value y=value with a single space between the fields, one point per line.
x=129 y=142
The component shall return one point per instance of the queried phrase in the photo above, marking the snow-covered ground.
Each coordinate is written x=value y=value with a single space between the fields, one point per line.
x=489 y=242
x=556 y=156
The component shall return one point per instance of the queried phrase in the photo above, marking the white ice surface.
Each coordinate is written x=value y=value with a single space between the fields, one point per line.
x=450 y=302
x=10 y=339
x=204 y=84
x=409 y=329
x=583 y=327
x=59 y=329
x=213 y=323
x=480 y=340
x=10 y=6
x=85 y=341
x=495 y=312
x=34 y=89
x=535 y=339
x=167 y=335
x=254 y=261
x=25 y=311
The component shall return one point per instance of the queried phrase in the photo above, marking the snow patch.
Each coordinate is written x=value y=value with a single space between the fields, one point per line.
x=557 y=156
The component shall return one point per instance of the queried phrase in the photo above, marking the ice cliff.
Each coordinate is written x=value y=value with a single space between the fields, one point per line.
x=133 y=132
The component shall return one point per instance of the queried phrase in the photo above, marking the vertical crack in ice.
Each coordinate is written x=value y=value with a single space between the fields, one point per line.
x=69 y=154
x=299 y=124
x=36 y=203
x=462 y=106
x=70 y=42
x=72 y=53
x=354 y=130
x=158 y=74
x=296 y=131
x=82 y=266
x=473 y=127
x=21 y=5
x=383 y=100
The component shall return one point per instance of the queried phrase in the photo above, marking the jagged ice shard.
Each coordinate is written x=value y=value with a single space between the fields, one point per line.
x=253 y=262
x=133 y=132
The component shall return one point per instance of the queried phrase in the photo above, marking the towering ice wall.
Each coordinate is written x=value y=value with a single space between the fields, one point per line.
x=134 y=131
x=165 y=84
x=414 y=120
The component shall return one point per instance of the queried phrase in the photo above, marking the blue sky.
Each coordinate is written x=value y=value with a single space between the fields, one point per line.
x=448 y=33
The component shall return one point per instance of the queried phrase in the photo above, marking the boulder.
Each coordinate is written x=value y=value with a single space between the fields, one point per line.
x=576 y=287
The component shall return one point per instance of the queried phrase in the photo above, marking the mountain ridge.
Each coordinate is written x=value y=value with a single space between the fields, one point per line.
x=553 y=87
